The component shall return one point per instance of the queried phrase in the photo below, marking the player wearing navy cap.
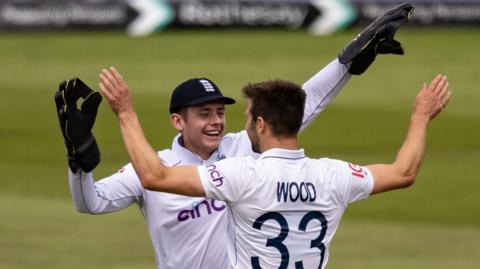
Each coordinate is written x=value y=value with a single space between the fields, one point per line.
x=179 y=224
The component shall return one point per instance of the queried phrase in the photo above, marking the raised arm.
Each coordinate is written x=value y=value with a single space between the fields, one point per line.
x=153 y=174
x=355 y=58
x=402 y=172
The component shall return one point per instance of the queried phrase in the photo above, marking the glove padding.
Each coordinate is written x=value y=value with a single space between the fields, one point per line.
x=76 y=125
x=377 y=38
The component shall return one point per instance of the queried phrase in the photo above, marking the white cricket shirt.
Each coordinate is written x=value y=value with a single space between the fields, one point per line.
x=188 y=232
x=284 y=207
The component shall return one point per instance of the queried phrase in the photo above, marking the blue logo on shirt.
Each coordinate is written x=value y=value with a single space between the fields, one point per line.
x=305 y=191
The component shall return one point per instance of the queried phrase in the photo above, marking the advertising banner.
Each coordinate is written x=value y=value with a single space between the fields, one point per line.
x=427 y=12
x=143 y=17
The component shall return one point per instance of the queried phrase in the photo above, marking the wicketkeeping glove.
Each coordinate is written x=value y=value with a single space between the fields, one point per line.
x=377 y=38
x=76 y=124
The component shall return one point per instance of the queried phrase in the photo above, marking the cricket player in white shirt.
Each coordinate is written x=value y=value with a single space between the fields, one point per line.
x=284 y=207
x=176 y=223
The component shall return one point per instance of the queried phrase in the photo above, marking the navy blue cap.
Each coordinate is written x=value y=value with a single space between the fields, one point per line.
x=196 y=91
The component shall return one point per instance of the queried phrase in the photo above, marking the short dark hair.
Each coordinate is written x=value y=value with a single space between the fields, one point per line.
x=280 y=103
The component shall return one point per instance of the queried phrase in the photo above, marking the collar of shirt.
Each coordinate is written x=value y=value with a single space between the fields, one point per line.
x=187 y=157
x=283 y=154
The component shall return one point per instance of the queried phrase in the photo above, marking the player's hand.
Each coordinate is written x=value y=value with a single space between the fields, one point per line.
x=377 y=38
x=433 y=98
x=115 y=91
x=76 y=124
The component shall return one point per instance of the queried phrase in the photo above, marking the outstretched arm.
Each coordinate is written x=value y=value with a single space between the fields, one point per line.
x=402 y=172
x=322 y=88
x=153 y=174
x=355 y=58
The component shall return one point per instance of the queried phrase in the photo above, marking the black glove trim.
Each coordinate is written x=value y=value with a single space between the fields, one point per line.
x=85 y=145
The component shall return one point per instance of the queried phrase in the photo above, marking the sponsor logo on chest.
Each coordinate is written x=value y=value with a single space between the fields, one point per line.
x=206 y=207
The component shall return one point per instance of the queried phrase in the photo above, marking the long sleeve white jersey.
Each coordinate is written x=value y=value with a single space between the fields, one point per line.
x=190 y=232
x=285 y=207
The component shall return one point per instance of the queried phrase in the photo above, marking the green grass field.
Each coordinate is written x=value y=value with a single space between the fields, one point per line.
x=434 y=224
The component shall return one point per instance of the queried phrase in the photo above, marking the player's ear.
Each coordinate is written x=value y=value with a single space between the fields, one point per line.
x=177 y=121
x=261 y=125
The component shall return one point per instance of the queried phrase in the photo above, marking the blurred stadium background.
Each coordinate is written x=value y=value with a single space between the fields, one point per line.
x=434 y=224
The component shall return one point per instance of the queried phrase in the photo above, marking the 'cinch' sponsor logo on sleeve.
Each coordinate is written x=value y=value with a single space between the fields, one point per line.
x=215 y=175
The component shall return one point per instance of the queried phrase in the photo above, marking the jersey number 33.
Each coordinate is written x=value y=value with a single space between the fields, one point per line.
x=277 y=241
